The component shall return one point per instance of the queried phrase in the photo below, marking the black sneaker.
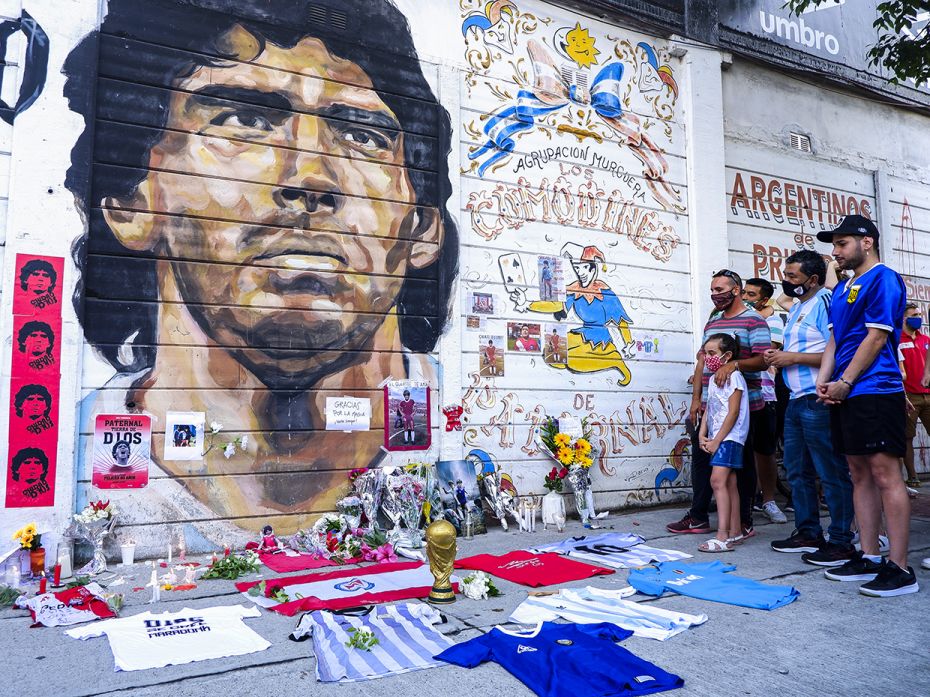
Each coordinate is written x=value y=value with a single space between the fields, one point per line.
x=856 y=569
x=757 y=503
x=891 y=580
x=831 y=554
x=799 y=542
x=789 y=507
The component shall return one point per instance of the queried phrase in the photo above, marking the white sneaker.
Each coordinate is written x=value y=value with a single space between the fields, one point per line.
x=926 y=563
x=912 y=493
x=883 y=544
x=771 y=511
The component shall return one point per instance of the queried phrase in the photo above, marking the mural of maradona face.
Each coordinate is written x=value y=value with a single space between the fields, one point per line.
x=283 y=169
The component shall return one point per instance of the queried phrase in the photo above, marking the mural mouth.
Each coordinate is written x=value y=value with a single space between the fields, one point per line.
x=298 y=259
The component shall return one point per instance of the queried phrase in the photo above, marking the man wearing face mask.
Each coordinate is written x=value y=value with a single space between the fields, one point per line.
x=914 y=347
x=733 y=317
x=808 y=451
x=861 y=381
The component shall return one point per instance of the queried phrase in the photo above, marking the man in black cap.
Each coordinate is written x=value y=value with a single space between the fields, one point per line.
x=860 y=379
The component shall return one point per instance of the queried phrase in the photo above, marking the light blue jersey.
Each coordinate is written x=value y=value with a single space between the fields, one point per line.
x=710 y=581
x=807 y=331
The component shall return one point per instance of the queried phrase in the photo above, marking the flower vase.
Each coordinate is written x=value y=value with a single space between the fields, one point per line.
x=553 y=511
x=37 y=561
x=578 y=478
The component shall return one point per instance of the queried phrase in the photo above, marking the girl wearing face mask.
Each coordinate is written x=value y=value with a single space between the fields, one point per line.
x=723 y=433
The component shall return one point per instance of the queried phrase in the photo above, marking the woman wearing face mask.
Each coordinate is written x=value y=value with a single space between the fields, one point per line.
x=913 y=347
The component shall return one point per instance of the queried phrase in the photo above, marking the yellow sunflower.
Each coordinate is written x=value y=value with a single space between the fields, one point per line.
x=30 y=529
x=585 y=461
x=561 y=440
x=565 y=456
x=583 y=445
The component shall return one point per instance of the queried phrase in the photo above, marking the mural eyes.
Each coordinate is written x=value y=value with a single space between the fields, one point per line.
x=243 y=120
x=367 y=139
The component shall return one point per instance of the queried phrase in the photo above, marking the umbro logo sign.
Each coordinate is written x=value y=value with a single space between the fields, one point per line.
x=524 y=649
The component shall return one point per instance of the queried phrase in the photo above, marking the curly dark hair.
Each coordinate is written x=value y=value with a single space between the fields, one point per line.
x=118 y=444
x=35 y=326
x=27 y=391
x=27 y=454
x=34 y=265
x=180 y=36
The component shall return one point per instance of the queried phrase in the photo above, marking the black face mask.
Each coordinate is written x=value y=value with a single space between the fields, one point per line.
x=794 y=290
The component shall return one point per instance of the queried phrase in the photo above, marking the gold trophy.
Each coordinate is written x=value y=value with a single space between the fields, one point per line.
x=440 y=550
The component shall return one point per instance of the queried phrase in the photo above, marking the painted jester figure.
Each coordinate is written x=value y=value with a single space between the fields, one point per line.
x=603 y=341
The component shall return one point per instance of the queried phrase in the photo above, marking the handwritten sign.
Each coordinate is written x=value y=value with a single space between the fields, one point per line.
x=348 y=413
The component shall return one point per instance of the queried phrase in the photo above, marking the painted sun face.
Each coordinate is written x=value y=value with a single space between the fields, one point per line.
x=579 y=46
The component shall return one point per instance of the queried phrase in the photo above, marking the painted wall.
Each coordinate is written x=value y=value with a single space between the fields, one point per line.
x=264 y=212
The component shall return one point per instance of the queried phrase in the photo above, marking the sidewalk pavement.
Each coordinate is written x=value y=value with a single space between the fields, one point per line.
x=831 y=641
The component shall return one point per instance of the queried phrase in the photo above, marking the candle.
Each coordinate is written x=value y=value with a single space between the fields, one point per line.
x=64 y=560
x=57 y=580
x=169 y=553
x=42 y=583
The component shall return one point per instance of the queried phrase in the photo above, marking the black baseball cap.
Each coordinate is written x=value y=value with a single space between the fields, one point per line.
x=851 y=225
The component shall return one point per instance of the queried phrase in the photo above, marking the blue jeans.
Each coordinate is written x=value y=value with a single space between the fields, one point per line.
x=809 y=453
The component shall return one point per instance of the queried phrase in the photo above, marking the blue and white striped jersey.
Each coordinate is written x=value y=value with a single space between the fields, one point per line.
x=591 y=605
x=807 y=331
x=618 y=550
x=407 y=641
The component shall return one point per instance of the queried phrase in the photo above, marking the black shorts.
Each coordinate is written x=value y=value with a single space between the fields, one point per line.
x=869 y=424
x=764 y=426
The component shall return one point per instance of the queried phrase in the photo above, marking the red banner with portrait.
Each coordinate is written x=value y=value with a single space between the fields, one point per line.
x=35 y=382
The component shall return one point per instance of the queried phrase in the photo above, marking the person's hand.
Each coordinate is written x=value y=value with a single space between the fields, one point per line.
x=722 y=375
x=710 y=446
x=908 y=407
x=778 y=359
x=925 y=382
x=695 y=412
x=691 y=379
x=518 y=298
x=833 y=392
x=704 y=444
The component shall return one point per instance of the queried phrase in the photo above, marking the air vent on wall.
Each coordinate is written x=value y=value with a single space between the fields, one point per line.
x=801 y=142
x=333 y=18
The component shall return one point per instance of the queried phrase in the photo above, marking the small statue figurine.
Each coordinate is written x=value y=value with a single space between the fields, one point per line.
x=440 y=550
x=269 y=542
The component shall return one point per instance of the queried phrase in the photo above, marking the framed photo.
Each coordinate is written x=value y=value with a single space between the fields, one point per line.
x=491 y=355
x=184 y=435
x=460 y=495
x=523 y=337
x=406 y=415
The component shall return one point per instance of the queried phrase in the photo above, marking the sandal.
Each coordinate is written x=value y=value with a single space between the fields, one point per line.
x=715 y=546
x=913 y=483
x=736 y=540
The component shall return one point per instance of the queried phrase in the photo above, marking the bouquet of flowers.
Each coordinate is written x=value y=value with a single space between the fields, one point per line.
x=555 y=479
x=93 y=524
x=28 y=537
x=96 y=510
x=564 y=448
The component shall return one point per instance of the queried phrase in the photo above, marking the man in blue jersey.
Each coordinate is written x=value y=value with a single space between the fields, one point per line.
x=861 y=381
x=808 y=453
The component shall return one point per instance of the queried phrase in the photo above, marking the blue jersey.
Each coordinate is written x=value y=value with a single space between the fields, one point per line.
x=566 y=660
x=874 y=299
x=710 y=581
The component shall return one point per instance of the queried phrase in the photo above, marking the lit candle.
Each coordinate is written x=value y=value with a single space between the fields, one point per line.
x=42 y=583
x=57 y=580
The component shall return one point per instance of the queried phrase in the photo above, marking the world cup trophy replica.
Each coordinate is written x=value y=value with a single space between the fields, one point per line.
x=440 y=550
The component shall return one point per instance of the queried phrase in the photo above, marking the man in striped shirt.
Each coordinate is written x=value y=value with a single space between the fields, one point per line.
x=751 y=330
x=809 y=451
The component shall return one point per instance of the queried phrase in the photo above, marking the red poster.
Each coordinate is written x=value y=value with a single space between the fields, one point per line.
x=122 y=450
x=35 y=382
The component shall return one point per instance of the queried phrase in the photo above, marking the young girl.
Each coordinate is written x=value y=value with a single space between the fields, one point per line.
x=723 y=433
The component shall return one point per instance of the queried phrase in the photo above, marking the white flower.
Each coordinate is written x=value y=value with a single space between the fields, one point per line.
x=244 y=442
x=229 y=450
x=476 y=586
x=215 y=427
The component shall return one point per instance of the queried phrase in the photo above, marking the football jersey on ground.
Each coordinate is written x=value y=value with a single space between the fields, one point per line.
x=619 y=550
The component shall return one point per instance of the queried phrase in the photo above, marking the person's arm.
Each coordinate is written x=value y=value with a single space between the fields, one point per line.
x=865 y=355
x=784 y=302
x=702 y=435
x=925 y=381
x=782 y=359
x=754 y=364
x=733 y=405
x=697 y=388
x=833 y=278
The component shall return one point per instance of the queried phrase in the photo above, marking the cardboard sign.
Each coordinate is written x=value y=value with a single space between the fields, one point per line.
x=35 y=381
x=122 y=451
x=348 y=413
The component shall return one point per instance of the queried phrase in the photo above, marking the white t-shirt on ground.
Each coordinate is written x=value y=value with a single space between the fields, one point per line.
x=151 y=640
x=718 y=405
